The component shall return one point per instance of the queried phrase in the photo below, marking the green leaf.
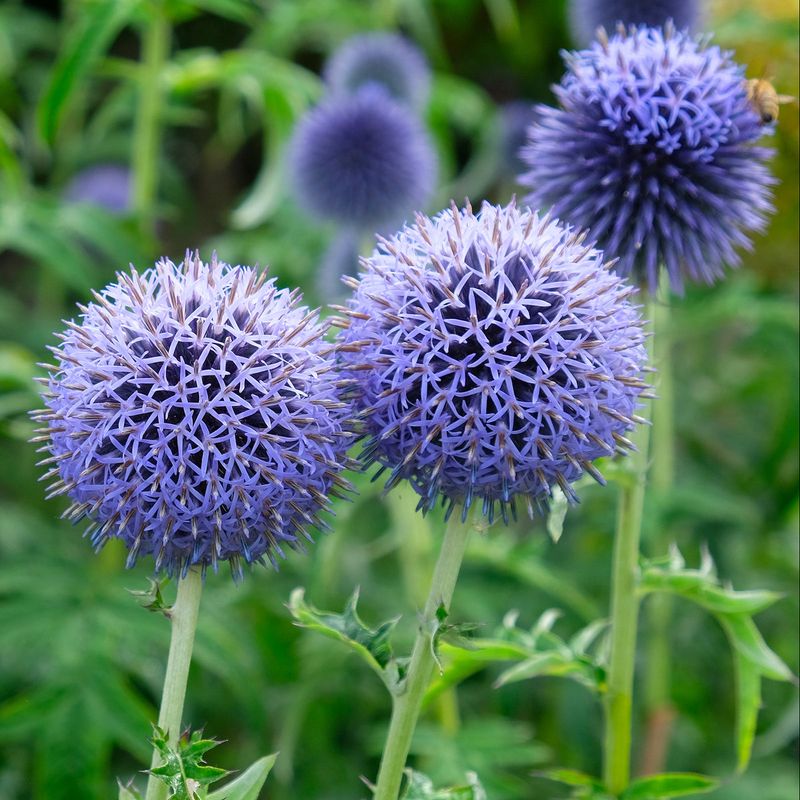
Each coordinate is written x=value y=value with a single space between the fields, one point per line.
x=127 y=793
x=586 y=786
x=248 y=785
x=96 y=24
x=372 y=644
x=748 y=642
x=245 y=11
x=559 y=505
x=421 y=787
x=184 y=770
x=669 y=785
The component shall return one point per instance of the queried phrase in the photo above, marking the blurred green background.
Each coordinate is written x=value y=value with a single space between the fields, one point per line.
x=81 y=663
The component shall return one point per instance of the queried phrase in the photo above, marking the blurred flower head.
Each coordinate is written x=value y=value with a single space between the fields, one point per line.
x=193 y=413
x=496 y=356
x=653 y=151
x=104 y=185
x=586 y=16
x=383 y=59
x=362 y=161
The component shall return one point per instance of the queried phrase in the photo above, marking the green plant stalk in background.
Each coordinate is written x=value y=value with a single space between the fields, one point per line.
x=625 y=610
x=183 y=616
x=407 y=703
x=147 y=132
x=657 y=679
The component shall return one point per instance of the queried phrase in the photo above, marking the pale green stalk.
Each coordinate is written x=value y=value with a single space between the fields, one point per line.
x=407 y=704
x=625 y=614
x=147 y=131
x=183 y=617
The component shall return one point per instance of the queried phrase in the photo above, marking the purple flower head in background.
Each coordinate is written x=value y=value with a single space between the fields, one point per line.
x=362 y=161
x=496 y=356
x=104 y=185
x=194 y=414
x=653 y=151
x=586 y=16
x=383 y=59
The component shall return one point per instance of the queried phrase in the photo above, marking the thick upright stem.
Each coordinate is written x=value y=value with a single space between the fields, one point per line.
x=624 y=617
x=659 y=607
x=147 y=131
x=407 y=705
x=184 y=621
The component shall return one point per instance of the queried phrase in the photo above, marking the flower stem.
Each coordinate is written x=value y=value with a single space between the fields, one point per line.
x=155 y=49
x=407 y=704
x=659 y=608
x=184 y=621
x=624 y=616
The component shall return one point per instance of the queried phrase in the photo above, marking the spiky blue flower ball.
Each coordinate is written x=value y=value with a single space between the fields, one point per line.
x=383 y=59
x=586 y=16
x=362 y=161
x=653 y=150
x=516 y=119
x=194 y=414
x=496 y=355
x=105 y=185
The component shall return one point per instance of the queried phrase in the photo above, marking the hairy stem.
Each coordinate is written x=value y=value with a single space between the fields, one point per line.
x=146 y=136
x=624 y=615
x=184 y=621
x=407 y=704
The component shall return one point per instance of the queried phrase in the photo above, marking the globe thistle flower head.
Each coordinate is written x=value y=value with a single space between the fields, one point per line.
x=516 y=119
x=653 y=150
x=104 y=185
x=361 y=161
x=383 y=59
x=586 y=16
x=496 y=355
x=193 y=413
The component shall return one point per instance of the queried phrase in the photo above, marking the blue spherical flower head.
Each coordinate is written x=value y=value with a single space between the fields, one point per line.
x=104 y=185
x=496 y=356
x=516 y=119
x=383 y=59
x=653 y=150
x=362 y=161
x=586 y=16
x=194 y=414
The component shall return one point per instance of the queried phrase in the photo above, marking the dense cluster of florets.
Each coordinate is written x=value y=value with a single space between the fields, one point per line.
x=586 y=16
x=653 y=151
x=362 y=161
x=193 y=413
x=383 y=59
x=496 y=356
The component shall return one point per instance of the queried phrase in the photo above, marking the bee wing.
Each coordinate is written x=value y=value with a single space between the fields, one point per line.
x=783 y=99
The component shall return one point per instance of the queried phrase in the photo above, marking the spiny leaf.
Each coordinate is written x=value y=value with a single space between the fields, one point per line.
x=151 y=598
x=372 y=644
x=559 y=505
x=184 y=771
x=127 y=792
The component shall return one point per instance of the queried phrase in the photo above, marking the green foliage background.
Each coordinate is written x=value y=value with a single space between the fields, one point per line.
x=81 y=663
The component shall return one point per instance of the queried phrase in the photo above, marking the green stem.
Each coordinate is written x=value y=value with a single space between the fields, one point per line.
x=624 y=616
x=184 y=621
x=659 y=608
x=147 y=131
x=407 y=704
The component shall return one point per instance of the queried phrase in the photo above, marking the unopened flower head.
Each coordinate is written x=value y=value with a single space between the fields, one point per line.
x=362 y=161
x=104 y=185
x=586 y=16
x=383 y=59
x=496 y=356
x=653 y=150
x=193 y=413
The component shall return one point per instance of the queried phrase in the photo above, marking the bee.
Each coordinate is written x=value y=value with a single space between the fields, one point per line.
x=764 y=99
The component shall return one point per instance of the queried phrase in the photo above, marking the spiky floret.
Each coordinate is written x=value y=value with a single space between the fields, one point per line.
x=496 y=356
x=586 y=16
x=194 y=413
x=362 y=161
x=653 y=151
x=385 y=59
